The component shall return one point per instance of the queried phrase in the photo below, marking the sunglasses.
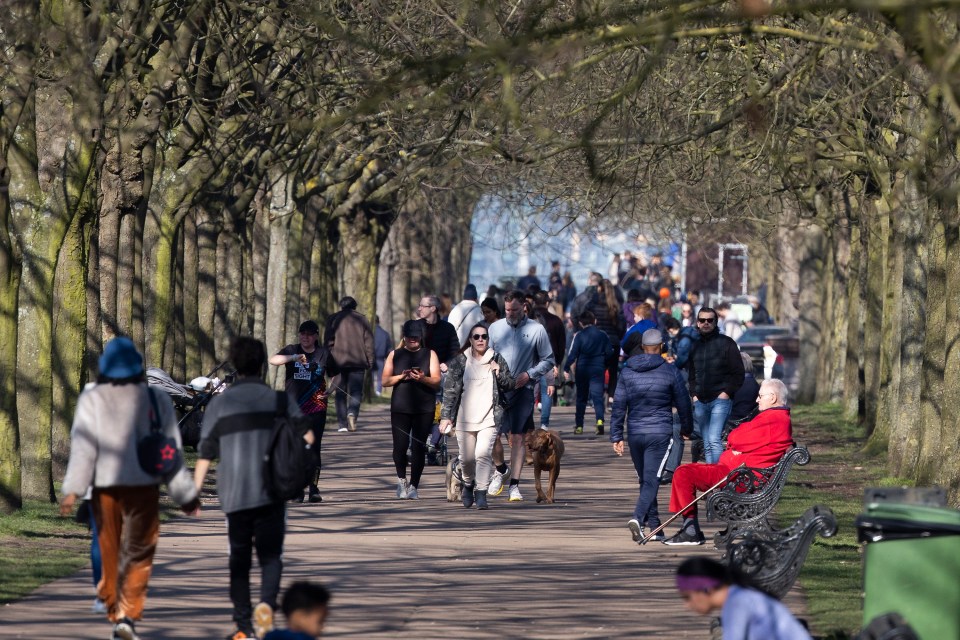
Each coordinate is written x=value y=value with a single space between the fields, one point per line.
x=479 y=336
x=706 y=320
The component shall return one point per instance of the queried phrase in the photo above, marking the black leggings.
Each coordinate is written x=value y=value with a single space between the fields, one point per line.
x=318 y=422
x=410 y=430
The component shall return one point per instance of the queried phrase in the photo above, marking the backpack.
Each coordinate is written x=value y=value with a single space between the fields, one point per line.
x=288 y=462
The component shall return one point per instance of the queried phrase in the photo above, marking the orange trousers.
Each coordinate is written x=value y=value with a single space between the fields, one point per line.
x=128 y=523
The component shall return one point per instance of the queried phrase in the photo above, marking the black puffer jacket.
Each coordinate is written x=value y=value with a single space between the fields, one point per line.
x=715 y=367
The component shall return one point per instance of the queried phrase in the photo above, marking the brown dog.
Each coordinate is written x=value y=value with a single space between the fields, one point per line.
x=544 y=451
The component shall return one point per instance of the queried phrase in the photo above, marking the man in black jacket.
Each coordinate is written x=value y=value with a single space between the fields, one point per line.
x=716 y=373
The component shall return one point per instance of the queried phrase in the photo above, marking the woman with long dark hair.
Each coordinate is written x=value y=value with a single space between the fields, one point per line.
x=746 y=613
x=414 y=372
x=471 y=398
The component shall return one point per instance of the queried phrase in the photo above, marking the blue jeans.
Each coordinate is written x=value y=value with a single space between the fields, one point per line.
x=649 y=454
x=676 y=450
x=708 y=420
x=348 y=394
x=589 y=384
x=546 y=402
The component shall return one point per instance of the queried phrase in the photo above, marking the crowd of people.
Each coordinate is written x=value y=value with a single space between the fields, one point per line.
x=661 y=362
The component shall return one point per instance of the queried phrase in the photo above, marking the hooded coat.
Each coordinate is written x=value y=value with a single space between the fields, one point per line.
x=648 y=390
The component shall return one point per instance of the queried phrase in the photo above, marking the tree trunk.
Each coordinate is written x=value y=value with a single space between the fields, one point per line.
x=69 y=341
x=193 y=359
x=853 y=357
x=948 y=471
x=811 y=250
x=362 y=232
x=10 y=496
x=906 y=428
x=208 y=230
x=934 y=355
x=890 y=336
x=876 y=230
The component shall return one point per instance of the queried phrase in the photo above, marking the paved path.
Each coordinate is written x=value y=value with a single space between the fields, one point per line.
x=424 y=569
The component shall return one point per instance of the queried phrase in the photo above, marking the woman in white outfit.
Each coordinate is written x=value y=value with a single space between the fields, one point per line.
x=471 y=399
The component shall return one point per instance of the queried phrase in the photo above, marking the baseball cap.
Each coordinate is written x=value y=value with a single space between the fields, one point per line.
x=652 y=337
x=413 y=329
x=309 y=326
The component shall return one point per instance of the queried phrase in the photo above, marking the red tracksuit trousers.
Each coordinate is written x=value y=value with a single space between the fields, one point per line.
x=690 y=478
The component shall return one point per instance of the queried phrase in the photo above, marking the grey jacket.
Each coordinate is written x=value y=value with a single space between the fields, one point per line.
x=526 y=347
x=453 y=387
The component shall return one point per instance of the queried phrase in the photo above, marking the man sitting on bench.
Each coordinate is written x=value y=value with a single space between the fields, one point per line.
x=759 y=443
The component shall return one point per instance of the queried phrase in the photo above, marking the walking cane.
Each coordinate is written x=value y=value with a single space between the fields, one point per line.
x=703 y=495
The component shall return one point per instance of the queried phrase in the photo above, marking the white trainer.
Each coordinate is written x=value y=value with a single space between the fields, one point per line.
x=412 y=493
x=496 y=482
x=515 y=494
x=401 y=488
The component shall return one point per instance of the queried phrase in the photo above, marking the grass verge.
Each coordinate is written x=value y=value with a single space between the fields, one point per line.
x=37 y=546
x=836 y=476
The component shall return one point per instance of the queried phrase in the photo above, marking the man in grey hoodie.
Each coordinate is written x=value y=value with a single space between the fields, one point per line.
x=525 y=345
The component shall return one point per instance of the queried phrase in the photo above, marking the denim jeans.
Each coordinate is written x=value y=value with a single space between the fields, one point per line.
x=261 y=529
x=649 y=454
x=708 y=420
x=546 y=403
x=676 y=451
x=350 y=384
x=589 y=384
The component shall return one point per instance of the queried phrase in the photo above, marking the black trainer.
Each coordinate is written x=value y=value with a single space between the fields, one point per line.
x=682 y=538
x=481 y=496
x=314 y=494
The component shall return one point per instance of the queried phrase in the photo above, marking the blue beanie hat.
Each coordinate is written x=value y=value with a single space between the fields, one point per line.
x=120 y=359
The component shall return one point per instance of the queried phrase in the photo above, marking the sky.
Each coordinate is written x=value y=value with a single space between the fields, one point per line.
x=508 y=238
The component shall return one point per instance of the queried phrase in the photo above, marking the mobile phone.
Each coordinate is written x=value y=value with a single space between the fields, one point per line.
x=416 y=369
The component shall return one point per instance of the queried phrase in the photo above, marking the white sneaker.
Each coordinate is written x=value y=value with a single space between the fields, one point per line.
x=496 y=482
x=636 y=529
x=99 y=606
x=515 y=494
x=412 y=493
x=544 y=427
x=262 y=620
x=342 y=430
x=401 y=488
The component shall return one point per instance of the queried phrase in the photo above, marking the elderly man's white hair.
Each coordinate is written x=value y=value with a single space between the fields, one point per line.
x=777 y=387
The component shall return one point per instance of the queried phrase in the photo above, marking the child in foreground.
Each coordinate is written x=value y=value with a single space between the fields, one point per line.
x=305 y=608
x=707 y=586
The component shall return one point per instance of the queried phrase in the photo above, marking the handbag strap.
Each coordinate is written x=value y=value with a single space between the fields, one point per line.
x=155 y=413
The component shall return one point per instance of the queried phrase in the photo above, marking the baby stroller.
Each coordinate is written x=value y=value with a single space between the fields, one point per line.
x=189 y=400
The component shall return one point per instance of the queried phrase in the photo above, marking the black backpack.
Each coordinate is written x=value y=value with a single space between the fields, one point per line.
x=288 y=462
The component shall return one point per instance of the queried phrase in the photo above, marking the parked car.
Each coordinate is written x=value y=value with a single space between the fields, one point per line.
x=775 y=350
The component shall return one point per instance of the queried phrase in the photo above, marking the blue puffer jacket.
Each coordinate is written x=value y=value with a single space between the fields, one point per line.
x=648 y=389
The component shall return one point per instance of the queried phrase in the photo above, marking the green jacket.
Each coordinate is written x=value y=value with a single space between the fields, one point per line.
x=453 y=387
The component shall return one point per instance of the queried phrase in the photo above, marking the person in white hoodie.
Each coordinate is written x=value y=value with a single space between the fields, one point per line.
x=112 y=418
x=466 y=314
x=471 y=397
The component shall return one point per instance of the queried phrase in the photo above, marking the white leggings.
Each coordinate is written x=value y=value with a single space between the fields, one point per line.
x=476 y=448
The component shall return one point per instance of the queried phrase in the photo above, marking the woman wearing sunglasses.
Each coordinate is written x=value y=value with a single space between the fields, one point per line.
x=471 y=399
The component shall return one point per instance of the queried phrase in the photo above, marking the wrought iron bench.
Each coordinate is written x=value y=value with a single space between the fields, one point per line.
x=750 y=495
x=772 y=559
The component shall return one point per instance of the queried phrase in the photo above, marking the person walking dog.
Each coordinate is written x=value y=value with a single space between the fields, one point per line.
x=471 y=400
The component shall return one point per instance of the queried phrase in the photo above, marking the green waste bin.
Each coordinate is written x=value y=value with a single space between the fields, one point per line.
x=911 y=566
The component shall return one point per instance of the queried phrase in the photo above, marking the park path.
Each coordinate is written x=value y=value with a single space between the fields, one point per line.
x=420 y=569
